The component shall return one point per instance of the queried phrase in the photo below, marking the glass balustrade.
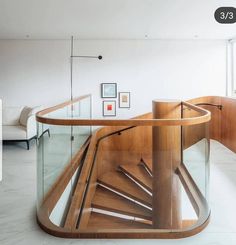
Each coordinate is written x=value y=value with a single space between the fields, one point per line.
x=196 y=149
x=151 y=176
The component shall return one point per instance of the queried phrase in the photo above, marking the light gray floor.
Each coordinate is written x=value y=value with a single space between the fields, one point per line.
x=18 y=198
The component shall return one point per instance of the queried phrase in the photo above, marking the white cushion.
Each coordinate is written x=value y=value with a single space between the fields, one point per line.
x=14 y=133
x=26 y=112
x=11 y=115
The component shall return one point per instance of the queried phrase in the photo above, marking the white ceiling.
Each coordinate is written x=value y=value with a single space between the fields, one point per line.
x=113 y=19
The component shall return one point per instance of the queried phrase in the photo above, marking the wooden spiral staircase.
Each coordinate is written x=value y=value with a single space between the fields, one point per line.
x=123 y=198
x=118 y=191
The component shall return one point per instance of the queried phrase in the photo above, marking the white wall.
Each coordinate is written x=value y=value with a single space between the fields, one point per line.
x=34 y=72
x=232 y=65
x=38 y=72
x=0 y=140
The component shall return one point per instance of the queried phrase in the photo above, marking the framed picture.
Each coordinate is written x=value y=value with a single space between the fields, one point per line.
x=109 y=108
x=124 y=100
x=109 y=90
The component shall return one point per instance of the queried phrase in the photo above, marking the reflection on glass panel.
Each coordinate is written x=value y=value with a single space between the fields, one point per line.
x=58 y=166
x=40 y=182
x=194 y=160
x=189 y=216
x=57 y=153
x=196 y=154
x=78 y=109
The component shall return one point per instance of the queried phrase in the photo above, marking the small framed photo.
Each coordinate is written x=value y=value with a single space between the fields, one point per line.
x=109 y=108
x=109 y=90
x=124 y=100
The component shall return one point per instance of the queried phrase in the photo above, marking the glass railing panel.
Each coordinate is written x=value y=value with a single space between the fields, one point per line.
x=57 y=153
x=40 y=165
x=81 y=110
x=188 y=214
x=60 y=113
x=59 y=166
x=85 y=108
x=195 y=140
x=60 y=160
x=77 y=109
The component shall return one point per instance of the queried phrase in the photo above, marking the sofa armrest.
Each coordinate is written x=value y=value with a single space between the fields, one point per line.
x=31 y=127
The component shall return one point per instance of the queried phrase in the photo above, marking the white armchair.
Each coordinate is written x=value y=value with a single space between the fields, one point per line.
x=19 y=124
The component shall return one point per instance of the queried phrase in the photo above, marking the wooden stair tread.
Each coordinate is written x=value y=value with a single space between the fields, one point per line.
x=121 y=183
x=110 y=201
x=139 y=174
x=147 y=162
x=100 y=221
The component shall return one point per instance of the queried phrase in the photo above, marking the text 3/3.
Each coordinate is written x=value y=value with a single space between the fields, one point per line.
x=225 y=15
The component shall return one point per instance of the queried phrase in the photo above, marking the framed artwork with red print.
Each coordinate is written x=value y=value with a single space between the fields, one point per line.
x=109 y=108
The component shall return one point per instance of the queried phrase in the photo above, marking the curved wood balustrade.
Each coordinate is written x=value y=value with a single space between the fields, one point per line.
x=223 y=122
x=90 y=172
x=42 y=117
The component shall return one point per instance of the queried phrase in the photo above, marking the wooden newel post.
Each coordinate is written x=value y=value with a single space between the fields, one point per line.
x=166 y=158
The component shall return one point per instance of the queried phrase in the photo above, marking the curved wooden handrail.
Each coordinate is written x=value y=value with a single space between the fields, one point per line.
x=44 y=112
x=205 y=117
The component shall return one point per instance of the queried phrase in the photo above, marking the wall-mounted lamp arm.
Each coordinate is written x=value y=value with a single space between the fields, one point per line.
x=86 y=56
